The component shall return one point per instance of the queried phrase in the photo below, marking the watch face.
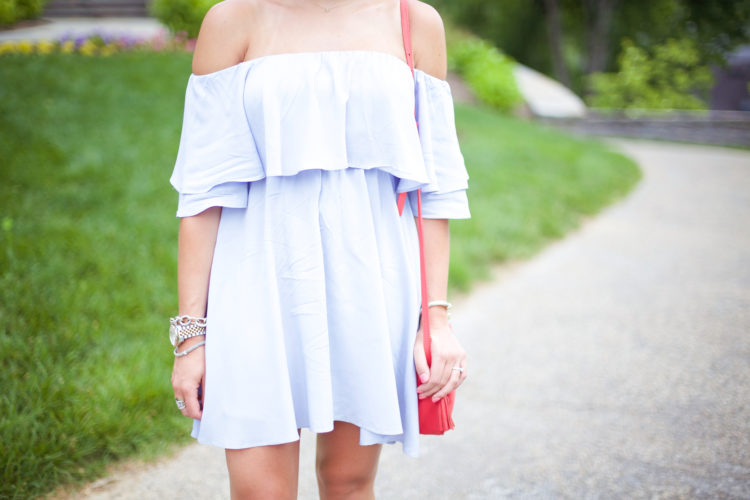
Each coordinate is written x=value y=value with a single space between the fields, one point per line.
x=173 y=335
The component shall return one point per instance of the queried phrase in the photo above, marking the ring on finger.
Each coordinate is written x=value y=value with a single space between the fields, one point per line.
x=457 y=369
x=180 y=404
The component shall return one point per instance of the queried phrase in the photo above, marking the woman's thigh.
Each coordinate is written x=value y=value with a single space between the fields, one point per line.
x=264 y=472
x=344 y=468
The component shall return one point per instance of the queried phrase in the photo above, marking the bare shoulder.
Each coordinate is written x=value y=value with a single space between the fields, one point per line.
x=222 y=40
x=428 y=39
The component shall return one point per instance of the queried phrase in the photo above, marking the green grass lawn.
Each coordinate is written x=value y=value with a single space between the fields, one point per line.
x=88 y=248
x=528 y=185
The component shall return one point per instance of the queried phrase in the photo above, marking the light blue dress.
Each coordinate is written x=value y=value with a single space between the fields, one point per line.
x=314 y=294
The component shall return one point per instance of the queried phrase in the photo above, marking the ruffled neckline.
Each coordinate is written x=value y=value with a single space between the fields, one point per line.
x=251 y=121
x=386 y=56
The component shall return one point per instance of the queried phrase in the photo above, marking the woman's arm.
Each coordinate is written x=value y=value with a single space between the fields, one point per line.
x=222 y=42
x=428 y=43
x=439 y=379
x=194 y=257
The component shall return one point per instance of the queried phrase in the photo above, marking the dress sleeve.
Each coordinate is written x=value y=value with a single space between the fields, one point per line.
x=445 y=196
x=217 y=156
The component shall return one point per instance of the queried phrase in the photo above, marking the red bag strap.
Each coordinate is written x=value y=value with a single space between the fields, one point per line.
x=406 y=33
x=425 y=317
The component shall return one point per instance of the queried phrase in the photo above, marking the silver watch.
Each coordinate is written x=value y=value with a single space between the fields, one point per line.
x=185 y=327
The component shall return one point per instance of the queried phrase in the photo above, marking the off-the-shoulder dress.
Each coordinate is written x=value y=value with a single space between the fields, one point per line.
x=314 y=290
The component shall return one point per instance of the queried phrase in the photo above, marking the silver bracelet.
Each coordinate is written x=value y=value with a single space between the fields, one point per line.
x=185 y=320
x=189 y=349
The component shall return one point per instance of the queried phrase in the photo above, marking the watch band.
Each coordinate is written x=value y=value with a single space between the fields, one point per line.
x=189 y=331
x=184 y=327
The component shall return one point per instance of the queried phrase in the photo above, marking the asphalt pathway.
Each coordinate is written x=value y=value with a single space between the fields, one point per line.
x=614 y=364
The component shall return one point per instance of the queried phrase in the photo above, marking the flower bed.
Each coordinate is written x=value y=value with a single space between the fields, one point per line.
x=99 y=44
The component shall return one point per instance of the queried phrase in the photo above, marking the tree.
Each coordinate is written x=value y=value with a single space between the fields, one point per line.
x=598 y=24
x=555 y=35
x=717 y=26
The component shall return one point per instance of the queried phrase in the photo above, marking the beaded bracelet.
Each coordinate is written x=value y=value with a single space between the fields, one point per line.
x=443 y=303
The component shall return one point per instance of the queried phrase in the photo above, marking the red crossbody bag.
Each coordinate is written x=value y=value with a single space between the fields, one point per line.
x=434 y=418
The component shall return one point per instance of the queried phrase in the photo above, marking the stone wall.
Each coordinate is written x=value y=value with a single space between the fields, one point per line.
x=723 y=128
x=96 y=8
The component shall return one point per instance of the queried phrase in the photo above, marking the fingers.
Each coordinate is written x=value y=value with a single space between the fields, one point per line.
x=447 y=354
x=193 y=406
x=202 y=392
x=187 y=380
x=190 y=395
x=456 y=378
x=440 y=375
x=420 y=360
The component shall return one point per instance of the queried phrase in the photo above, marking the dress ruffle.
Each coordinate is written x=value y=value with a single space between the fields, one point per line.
x=282 y=114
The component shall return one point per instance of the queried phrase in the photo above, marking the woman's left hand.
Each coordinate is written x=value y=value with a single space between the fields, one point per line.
x=441 y=378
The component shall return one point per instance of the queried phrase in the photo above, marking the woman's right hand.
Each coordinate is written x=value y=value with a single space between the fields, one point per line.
x=188 y=375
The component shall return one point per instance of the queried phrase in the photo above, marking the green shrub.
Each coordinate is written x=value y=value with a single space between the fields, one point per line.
x=12 y=11
x=488 y=72
x=7 y=12
x=671 y=77
x=181 y=15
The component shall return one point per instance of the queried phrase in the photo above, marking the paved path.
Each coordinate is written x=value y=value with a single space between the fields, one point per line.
x=615 y=364
x=53 y=28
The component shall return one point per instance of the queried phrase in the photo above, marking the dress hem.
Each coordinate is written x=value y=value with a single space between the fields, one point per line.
x=390 y=439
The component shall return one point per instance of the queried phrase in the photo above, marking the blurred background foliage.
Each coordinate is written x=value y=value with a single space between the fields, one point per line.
x=12 y=11
x=573 y=39
x=671 y=77
x=487 y=71
x=181 y=15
